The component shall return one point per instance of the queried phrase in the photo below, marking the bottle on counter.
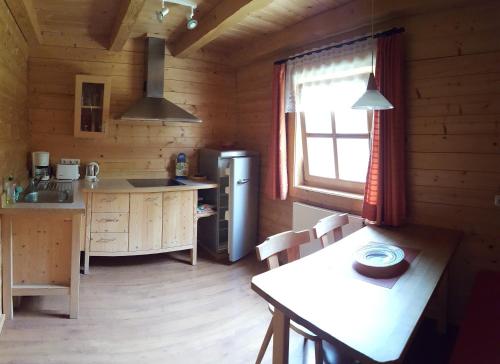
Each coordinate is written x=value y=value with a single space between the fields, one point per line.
x=181 y=166
x=9 y=191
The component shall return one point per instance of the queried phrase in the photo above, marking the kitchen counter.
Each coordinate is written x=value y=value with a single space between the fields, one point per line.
x=123 y=186
x=77 y=206
x=41 y=250
x=126 y=220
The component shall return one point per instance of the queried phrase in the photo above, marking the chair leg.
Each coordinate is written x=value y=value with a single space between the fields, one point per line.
x=265 y=343
x=318 y=351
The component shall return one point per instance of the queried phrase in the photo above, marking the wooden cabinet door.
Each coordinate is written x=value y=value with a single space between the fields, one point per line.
x=145 y=221
x=92 y=102
x=179 y=210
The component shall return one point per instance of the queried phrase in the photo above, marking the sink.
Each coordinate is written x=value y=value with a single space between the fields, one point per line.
x=48 y=192
x=151 y=182
x=48 y=196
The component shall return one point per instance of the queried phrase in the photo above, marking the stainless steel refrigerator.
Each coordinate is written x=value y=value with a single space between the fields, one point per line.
x=232 y=231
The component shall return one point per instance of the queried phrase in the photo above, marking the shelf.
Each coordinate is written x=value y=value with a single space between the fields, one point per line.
x=91 y=107
x=39 y=290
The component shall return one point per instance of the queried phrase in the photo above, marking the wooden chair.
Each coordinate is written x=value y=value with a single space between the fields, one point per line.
x=290 y=242
x=330 y=224
x=269 y=250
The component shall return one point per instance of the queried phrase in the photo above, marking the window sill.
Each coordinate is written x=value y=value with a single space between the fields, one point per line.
x=355 y=196
x=330 y=199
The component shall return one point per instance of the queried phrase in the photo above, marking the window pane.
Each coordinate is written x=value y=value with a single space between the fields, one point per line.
x=318 y=121
x=320 y=157
x=353 y=155
x=349 y=121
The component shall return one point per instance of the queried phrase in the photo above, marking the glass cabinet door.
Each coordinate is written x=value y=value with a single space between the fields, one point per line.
x=92 y=96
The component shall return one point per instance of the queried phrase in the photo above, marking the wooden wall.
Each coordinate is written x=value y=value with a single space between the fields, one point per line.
x=13 y=97
x=203 y=85
x=453 y=149
x=13 y=104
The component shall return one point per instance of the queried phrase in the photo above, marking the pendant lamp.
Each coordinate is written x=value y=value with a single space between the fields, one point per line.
x=372 y=99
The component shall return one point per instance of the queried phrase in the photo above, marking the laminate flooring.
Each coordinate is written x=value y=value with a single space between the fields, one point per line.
x=149 y=309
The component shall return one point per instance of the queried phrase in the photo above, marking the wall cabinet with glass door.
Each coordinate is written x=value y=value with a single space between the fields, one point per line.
x=92 y=96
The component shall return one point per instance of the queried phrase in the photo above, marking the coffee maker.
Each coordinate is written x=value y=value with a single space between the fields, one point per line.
x=40 y=165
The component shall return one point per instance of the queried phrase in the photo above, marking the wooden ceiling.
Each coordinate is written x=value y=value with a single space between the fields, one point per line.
x=276 y=16
x=108 y=23
x=241 y=30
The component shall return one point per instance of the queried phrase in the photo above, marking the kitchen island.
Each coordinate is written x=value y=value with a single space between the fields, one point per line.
x=41 y=250
x=125 y=220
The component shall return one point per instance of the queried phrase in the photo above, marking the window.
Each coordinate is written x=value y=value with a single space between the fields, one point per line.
x=332 y=145
x=334 y=141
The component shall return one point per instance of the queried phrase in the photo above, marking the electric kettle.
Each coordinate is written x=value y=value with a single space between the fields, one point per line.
x=92 y=172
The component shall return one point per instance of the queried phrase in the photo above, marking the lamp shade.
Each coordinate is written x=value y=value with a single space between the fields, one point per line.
x=372 y=99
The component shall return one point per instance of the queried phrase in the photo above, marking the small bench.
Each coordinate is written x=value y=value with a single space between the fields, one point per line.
x=478 y=340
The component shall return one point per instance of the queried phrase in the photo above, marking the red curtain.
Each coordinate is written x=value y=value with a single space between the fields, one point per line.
x=277 y=174
x=385 y=190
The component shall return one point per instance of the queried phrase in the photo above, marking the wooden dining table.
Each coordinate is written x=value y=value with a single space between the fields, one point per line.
x=371 y=322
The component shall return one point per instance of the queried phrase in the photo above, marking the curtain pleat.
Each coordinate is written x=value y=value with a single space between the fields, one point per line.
x=277 y=172
x=385 y=190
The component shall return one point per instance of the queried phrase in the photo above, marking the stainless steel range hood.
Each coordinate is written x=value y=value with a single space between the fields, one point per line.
x=153 y=106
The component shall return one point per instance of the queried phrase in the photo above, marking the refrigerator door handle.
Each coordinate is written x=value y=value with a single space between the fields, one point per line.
x=243 y=181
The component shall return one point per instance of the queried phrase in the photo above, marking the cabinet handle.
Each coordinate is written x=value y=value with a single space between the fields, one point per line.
x=108 y=199
x=108 y=220
x=102 y=240
x=243 y=181
x=149 y=199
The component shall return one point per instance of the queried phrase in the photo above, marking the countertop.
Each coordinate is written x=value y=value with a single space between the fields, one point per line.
x=119 y=185
x=76 y=207
x=102 y=186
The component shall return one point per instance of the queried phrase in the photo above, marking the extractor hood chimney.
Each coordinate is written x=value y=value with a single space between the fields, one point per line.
x=153 y=106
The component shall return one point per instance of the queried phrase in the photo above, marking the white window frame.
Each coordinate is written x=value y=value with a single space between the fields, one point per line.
x=335 y=184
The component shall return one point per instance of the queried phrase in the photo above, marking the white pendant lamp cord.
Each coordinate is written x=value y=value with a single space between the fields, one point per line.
x=373 y=39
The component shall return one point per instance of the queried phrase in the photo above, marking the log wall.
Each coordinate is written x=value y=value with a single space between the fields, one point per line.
x=202 y=85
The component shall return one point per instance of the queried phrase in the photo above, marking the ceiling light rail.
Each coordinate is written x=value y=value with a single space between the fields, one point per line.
x=191 y=21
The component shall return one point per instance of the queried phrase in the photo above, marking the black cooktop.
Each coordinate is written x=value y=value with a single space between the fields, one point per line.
x=161 y=182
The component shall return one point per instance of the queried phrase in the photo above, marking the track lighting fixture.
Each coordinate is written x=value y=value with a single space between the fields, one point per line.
x=161 y=14
x=191 y=21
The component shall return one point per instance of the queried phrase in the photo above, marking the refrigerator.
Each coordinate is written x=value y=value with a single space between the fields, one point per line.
x=232 y=232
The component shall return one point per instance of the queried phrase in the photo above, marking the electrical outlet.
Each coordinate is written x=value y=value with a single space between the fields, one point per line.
x=497 y=200
x=70 y=161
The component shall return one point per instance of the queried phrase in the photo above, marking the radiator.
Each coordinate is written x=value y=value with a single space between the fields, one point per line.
x=306 y=216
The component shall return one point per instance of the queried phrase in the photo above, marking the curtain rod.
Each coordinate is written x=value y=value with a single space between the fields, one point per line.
x=349 y=42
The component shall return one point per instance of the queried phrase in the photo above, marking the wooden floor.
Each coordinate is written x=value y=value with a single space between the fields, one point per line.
x=149 y=309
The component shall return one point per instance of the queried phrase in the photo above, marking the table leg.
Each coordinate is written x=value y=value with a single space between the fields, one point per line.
x=75 y=267
x=442 y=298
x=281 y=335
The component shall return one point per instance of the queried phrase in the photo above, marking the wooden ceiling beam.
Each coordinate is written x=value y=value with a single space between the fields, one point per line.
x=125 y=20
x=226 y=14
x=25 y=15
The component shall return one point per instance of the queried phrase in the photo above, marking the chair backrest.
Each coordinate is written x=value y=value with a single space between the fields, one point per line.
x=332 y=223
x=288 y=240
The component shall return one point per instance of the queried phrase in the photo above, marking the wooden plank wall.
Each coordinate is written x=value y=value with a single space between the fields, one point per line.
x=453 y=62
x=203 y=85
x=13 y=104
x=13 y=97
